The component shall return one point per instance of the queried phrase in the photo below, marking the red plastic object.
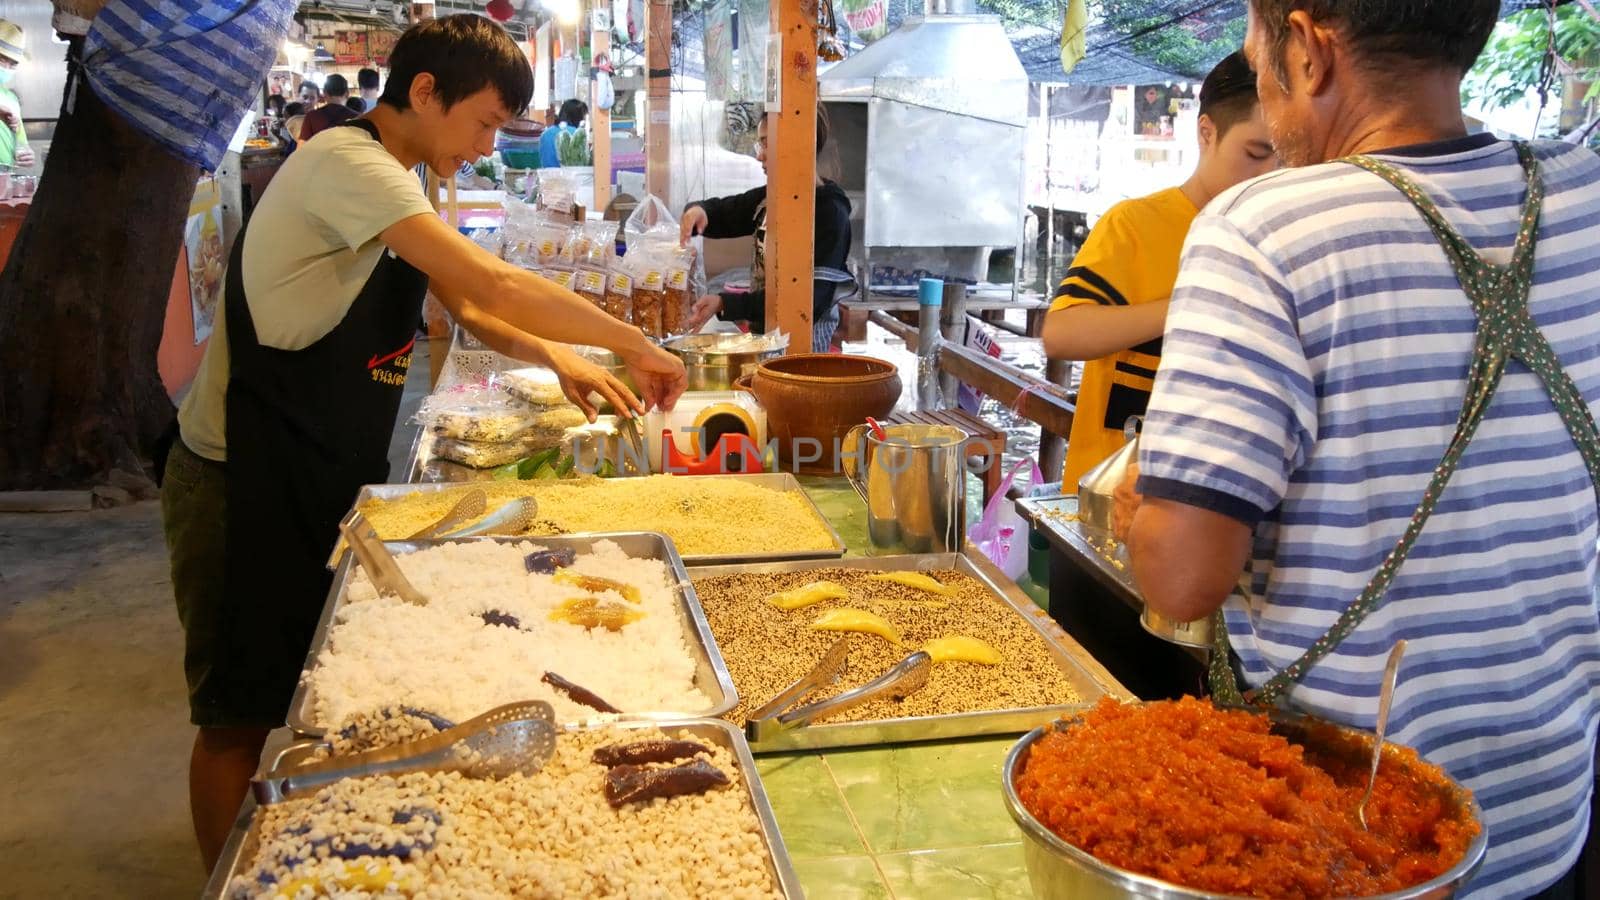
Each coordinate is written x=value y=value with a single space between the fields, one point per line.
x=734 y=454
x=877 y=430
x=499 y=10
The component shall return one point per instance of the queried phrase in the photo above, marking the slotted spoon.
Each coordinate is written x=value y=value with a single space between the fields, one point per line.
x=518 y=738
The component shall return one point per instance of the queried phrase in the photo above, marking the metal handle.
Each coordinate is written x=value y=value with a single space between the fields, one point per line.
x=1391 y=673
x=853 y=460
x=822 y=674
x=381 y=568
x=907 y=676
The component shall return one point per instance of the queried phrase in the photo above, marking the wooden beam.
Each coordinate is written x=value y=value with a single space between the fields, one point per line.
x=600 y=119
x=658 y=130
x=899 y=329
x=792 y=173
x=1045 y=403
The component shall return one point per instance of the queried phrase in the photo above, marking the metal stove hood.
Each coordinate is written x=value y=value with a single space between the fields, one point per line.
x=947 y=60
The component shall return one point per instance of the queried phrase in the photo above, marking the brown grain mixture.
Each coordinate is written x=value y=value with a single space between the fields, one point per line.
x=767 y=648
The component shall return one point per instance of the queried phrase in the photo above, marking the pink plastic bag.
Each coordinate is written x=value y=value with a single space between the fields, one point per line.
x=1002 y=533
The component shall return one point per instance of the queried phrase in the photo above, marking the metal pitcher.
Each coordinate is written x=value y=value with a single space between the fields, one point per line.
x=1098 y=487
x=913 y=480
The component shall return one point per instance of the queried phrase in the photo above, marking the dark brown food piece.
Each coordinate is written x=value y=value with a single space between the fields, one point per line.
x=578 y=693
x=640 y=752
x=637 y=784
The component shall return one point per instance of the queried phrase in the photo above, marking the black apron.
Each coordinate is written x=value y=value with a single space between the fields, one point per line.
x=305 y=430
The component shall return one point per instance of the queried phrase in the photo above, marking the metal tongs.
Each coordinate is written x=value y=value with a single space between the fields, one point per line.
x=628 y=429
x=903 y=679
x=508 y=740
x=375 y=558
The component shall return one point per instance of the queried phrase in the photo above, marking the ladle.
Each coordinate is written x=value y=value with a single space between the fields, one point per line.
x=1391 y=671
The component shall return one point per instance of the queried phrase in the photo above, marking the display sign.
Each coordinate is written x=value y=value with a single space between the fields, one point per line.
x=207 y=256
x=869 y=19
x=350 y=47
x=719 y=51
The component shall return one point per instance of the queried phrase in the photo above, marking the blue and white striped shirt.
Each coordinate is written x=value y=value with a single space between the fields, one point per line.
x=1315 y=362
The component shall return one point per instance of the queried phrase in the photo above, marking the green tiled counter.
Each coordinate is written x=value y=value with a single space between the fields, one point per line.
x=902 y=820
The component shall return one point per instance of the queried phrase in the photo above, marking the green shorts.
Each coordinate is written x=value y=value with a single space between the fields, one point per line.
x=232 y=682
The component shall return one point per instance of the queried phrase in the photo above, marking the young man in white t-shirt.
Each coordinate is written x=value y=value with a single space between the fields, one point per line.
x=298 y=393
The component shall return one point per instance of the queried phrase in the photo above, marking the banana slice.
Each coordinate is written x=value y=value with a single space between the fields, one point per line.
x=806 y=595
x=960 y=648
x=597 y=585
x=857 y=620
x=915 y=580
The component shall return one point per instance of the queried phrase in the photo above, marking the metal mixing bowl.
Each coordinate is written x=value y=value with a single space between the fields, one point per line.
x=1059 y=871
x=716 y=361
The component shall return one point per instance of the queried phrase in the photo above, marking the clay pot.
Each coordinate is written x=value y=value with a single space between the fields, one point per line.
x=820 y=397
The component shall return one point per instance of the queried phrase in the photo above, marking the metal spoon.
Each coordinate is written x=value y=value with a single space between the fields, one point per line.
x=469 y=507
x=515 y=517
x=1391 y=671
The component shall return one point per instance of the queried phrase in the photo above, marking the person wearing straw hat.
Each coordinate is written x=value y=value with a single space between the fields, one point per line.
x=14 y=149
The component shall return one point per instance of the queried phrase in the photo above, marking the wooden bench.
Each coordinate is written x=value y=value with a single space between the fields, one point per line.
x=984 y=440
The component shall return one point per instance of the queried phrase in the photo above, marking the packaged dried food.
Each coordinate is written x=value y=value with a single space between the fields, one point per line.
x=649 y=289
x=534 y=385
x=680 y=289
x=562 y=277
x=619 y=293
x=483 y=454
x=479 y=411
x=590 y=284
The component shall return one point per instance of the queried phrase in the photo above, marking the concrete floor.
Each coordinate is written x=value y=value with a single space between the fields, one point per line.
x=94 y=720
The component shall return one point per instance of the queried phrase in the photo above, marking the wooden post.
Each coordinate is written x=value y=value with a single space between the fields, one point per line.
x=792 y=173
x=658 y=130
x=1053 y=444
x=600 y=119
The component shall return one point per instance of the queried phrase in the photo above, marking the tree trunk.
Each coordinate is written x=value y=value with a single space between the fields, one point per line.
x=83 y=301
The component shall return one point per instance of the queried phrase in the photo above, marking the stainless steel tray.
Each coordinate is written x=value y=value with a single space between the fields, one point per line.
x=245 y=838
x=1088 y=677
x=777 y=481
x=711 y=673
x=1057 y=518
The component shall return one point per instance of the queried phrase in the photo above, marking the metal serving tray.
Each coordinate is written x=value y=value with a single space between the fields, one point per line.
x=777 y=481
x=245 y=839
x=711 y=673
x=1057 y=518
x=1088 y=677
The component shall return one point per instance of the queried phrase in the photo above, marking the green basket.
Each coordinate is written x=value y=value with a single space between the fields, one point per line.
x=520 y=159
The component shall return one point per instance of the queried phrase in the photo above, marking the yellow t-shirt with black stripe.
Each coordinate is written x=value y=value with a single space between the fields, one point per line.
x=1130 y=257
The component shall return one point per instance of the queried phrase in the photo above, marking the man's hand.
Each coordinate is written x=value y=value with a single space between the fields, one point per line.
x=25 y=156
x=660 y=376
x=703 y=311
x=580 y=379
x=1125 y=503
x=694 y=222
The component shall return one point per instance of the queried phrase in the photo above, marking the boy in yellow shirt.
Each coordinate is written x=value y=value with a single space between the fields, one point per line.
x=1112 y=306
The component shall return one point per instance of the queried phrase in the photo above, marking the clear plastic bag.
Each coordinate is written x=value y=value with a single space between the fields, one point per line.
x=478 y=411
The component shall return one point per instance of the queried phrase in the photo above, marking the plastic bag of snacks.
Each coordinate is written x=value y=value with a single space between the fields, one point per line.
x=650 y=287
x=557 y=191
x=685 y=281
x=534 y=385
x=652 y=220
x=619 y=289
x=590 y=284
x=477 y=411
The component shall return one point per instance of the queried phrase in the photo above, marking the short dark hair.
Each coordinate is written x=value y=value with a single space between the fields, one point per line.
x=290 y=110
x=367 y=79
x=464 y=53
x=336 y=86
x=308 y=83
x=276 y=103
x=1390 y=34
x=1228 y=94
x=572 y=112
x=356 y=104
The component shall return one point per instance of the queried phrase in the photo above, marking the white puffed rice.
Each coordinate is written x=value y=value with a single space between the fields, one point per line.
x=545 y=835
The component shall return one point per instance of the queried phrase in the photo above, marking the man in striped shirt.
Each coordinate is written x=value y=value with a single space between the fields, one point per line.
x=1316 y=357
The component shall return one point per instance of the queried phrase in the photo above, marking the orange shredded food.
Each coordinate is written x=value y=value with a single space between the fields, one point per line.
x=1210 y=799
